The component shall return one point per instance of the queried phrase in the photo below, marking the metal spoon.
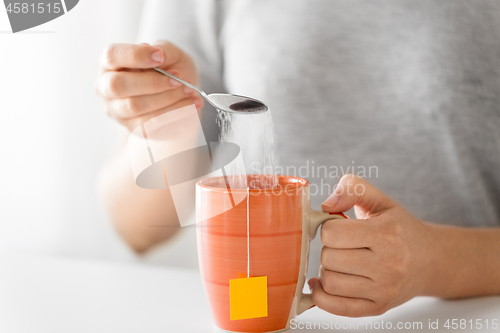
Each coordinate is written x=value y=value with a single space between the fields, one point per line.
x=225 y=102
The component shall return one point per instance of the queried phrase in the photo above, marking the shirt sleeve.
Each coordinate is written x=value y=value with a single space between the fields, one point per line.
x=194 y=26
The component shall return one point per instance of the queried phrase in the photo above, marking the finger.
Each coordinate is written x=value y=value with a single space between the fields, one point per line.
x=349 y=261
x=354 y=191
x=133 y=123
x=118 y=56
x=347 y=285
x=128 y=84
x=340 y=305
x=178 y=60
x=138 y=105
x=173 y=53
x=349 y=234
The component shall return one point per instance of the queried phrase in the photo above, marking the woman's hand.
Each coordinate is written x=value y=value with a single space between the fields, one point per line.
x=134 y=93
x=373 y=263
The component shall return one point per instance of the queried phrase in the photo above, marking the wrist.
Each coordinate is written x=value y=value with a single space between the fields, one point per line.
x=436 y=261
x=461 y=262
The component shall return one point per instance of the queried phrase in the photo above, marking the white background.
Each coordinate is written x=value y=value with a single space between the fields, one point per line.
x=54 y=135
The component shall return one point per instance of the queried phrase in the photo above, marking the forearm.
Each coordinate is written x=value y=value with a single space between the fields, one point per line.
x=463 y=262
x=142 y=217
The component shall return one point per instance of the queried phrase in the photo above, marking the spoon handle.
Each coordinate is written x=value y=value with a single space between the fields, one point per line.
x=181 y=81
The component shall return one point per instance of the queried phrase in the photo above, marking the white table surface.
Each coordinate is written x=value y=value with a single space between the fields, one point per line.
x=51 y=294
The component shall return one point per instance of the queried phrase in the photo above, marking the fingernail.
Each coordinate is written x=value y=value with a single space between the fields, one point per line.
x=157 y=56
x=188 y=91
x=198 y=103
x=175 y=83
x=311 y=283
x=331 y=201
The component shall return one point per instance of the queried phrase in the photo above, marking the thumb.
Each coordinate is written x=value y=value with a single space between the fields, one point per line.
x=354 y=191
x=172 y=55
x=177 y=61
x=312 y=282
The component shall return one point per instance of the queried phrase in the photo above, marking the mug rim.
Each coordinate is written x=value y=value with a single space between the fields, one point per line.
x=299 y=182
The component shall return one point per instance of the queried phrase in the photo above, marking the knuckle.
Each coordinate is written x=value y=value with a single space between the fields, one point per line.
x=397 y=229
x=317 y=299
x=392 y=232
x=343 y=310
x=115 y=84
x=399 y=269
x=326 y=232
x=388 y=291
x=395 y=268
x=389 y=239
x=110 y=53
x=324 y=236
x=324 y=255
x=380 y=309
x=133 y=105
x=328 y=285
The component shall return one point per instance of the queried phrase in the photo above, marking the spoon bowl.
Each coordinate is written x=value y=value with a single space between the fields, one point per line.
x=225 y=102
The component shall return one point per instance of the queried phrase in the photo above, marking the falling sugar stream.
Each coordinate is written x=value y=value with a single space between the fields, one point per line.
x=256 y=137
x=248 y=232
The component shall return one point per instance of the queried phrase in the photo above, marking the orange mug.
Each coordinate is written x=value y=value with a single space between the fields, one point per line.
x=281 y=227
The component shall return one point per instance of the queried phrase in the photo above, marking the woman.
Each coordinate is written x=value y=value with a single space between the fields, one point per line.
x=409 y=87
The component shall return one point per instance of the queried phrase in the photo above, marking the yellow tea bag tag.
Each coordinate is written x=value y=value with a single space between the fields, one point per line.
x=248 y=297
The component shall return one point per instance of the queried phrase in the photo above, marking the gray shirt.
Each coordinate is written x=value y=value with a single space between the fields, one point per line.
x=409 y=88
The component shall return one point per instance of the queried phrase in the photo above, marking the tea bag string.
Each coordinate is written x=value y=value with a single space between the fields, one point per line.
x=248 y=232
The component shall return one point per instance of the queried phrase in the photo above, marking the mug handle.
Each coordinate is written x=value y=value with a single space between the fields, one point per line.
x=317 y=218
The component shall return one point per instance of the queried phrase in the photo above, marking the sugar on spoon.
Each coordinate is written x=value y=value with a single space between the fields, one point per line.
x=225 y=102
